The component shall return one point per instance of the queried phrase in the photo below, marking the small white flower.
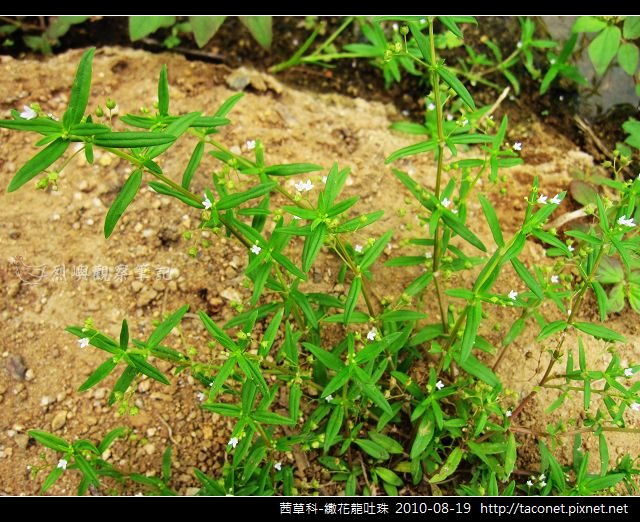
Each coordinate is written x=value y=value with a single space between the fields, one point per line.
x=428 y=255
x=449 y=117
x=519 y=45
x=513 y=295
x=517 y=145
x=278 y=466
x=324 y=179
x=628 y=372
x=569 y=312
x=622 y=220
x=423 y=20
x=395 y=26
x=454 y=211
x=446 y=202
x=555 y=279
x=552 y=61
x=206 y=202
x=358 y=248
x=431 y=106
x=508 y=413
x=255 y=249
x=304 y=186
x=233 y=442
x=464 y=122
x=84 y=342
x=439 y=385
x=542 y=483
x=571 y=248
x=543 y=477
x=373 y=333
x=251 y=144
x=328 y=398
x=28 y=113
x=200 y=396
x=296 y=218
x=530 y=483
x=543 y=199
x=556 y=200
x=62 y=464
x=635 y=406
x=211 y=384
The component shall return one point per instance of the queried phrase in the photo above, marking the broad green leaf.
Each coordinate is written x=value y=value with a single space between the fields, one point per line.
x=304 y=305
x=389 y=476
x=424 y=435
x=603 y=483
x=194 y=163
x=412 y=150
x=141 y=26
x=110 y=437
x=216 y=332
x=50 y=441
x=122 y=201
x=373 y=449
x=38 y=163
x=205 y=27
x=391 y=445
x=421 y=40
x=610 y=271
x=588 y=24
x=628 y=55
x=510 y=455
x=260 y=28
x=450 y=24
x=335 y=181
x=453 y=82
x=631 y=27
x=88 y=129
x=604 y=47
x=119 y=140
x=599 y=331
x=123 y=383
x=449 y=467
x=164 y=328
x=474 y=315
x=101 y=372
x=267 y=417
x=79 y=91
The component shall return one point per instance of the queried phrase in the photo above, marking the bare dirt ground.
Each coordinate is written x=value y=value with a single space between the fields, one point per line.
x=144 y=270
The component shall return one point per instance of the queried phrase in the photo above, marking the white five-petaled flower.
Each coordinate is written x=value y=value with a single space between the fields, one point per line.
x=543 y=199
x=233 y=442
x=622 y=220
x=543 y=477
x=251 y=144
x=304 y=186
x=62 y=464
x=200 y=396
x=28 y=113
x=431 y=106
x=255 y=249
x=446 y=202
x=439 y=385
x=358 y=248
x=508 y=413
x=513 y=295
x=84 y=342
x=206 y=202
x=372 y=334
x=278 y=466
x=628 y=372
x=571 y=248
x=530 y=483
x=555 y=279
x=328 y=398
x=635 y=406
x=556 y=200
x=542 y=483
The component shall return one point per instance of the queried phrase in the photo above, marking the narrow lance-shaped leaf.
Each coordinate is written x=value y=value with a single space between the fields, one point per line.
x=38 y=163
x=175 y=129
x=599 y=331
x=352 y=298
x=474 y=314
x=449 y=467
x=123 y=140
x=205 y=27
x=163 y=92
x=312 y=246
x=79 y=91
x=101 y=372
x=194 y=162
x=457 y=86
x=375 y=250
x=492 y=219
x=166 y=326
x=122 y=201
x=260 y=28
x=141 y=364
x=50 y=441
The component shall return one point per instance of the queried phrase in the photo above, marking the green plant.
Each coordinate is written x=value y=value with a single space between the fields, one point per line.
x=48 y=32
x=383 y=392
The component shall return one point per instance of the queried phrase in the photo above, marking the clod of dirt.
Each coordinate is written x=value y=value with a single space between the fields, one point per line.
x=59 y=420
x=16 y=367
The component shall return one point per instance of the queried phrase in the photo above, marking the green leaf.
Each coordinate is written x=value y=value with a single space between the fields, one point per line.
x=205 y=27
x=163 y=92
x=49 y=440
x=38 y=163
x=449 y=467
x=391 y=445
x=492 y=219
x=216 y=332
x=528 y=279
x=166 y=190
x=631 y=27
x=359 y=222
x=588 y=24
x=604 y=47
x=122 y=201
x=88 y=129
x=373 y=449
x=228 y=105
x=374 y=251
x=550 y=329
x=352 y=298
x=120 y=140
x=51 y=479
x=141 y=364
x=601 y=298
x=234 y=200
x=610 y=271
x=260 y=28
x=312 y=246
x=340 y=379
x=291 y=169
x=141 y=26
x=474 y=367
x=599 y=331
x=101 y=372
x=326 y=358
x=402 y=315
x=267 y=417
x=335 y=181
x=333 y=427
x=194 y=163
x=110 y=437
x=628 y=55
x=412 y=150
x=460 y=229
x=510 y=455
x=123 y=383
x=424 y=435
x=389 y=476
x=453 y=82
x=600 y=483
x=79 y=91
x=474 y=315
x=175 y=129
x=421 y=40
x=166 y=326
x=450 y=24
x=41 y=125
x=86 y=469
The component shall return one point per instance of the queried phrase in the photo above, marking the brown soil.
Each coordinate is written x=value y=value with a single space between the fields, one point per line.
x=41 y=366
